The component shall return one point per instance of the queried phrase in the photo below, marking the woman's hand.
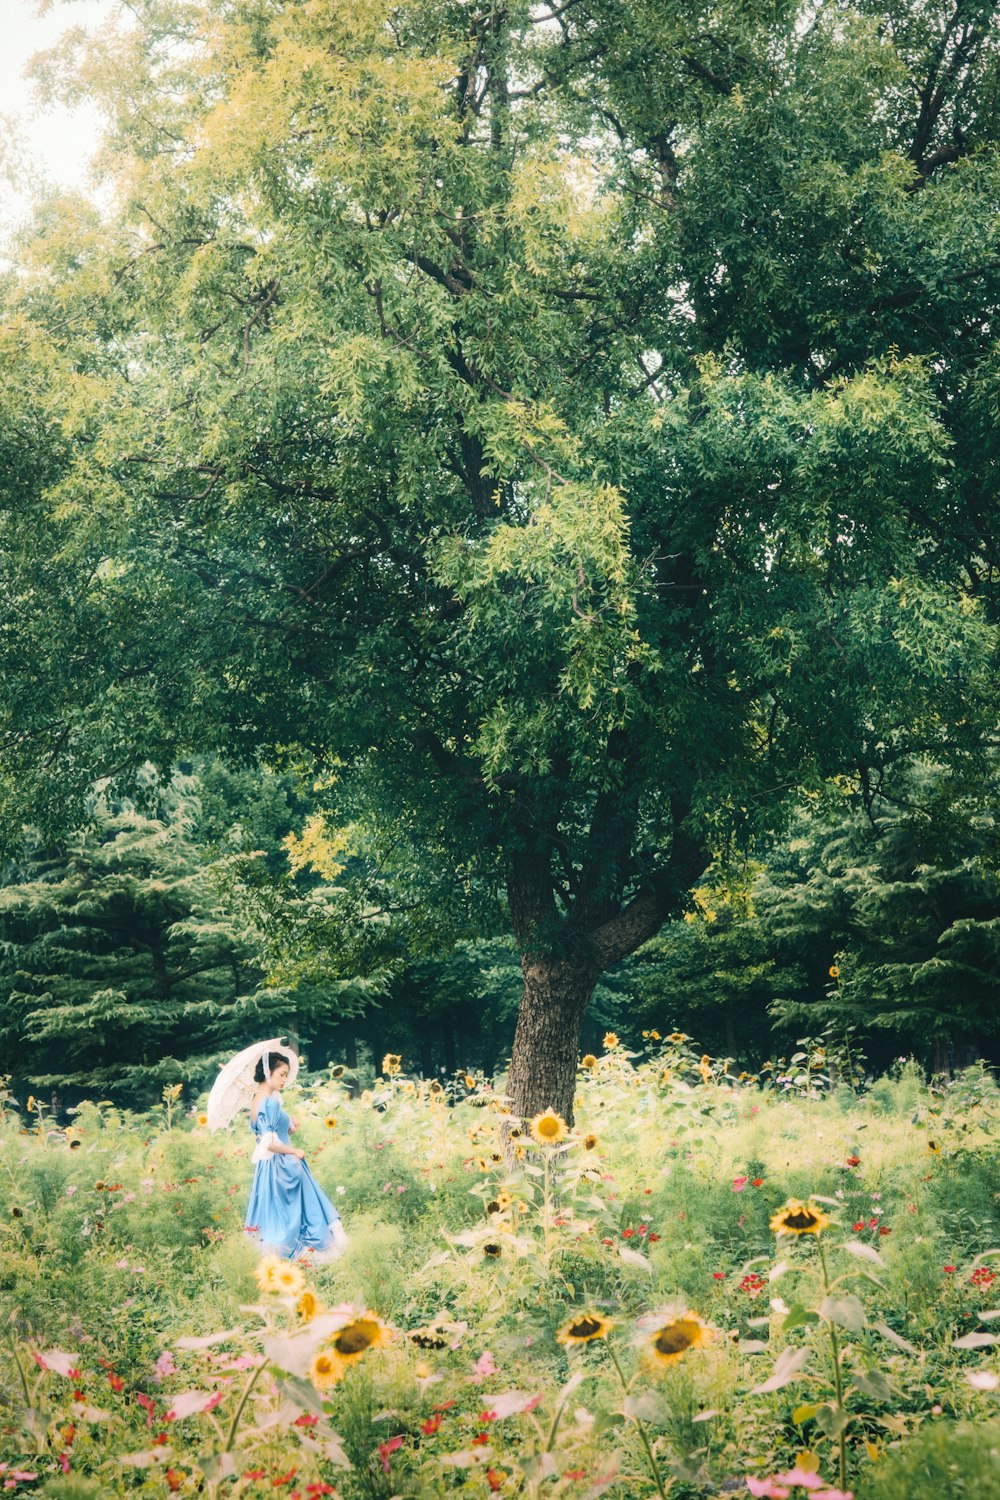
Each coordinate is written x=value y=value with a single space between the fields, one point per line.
x=300 y=1154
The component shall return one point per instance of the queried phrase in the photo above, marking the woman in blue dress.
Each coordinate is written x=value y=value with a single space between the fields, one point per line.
x=288 y=1212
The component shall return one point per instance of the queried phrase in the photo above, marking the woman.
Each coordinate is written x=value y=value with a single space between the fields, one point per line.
x=288 y=1211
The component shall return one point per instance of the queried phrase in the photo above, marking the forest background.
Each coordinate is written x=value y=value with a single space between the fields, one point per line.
x=500 y=541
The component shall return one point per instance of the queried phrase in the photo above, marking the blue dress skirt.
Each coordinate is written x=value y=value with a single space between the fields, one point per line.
x=288 y=1212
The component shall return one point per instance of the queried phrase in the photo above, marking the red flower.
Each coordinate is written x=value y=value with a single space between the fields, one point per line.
x=949 y=1269
x=305 y=1420
x=858 y=1226
x=854 y=1161
x=494 y=1480
x=654 y=1237
x=480 y=1438
x=430 y=1427
x=756 y=1182
x=575 y=1474
x=885 y=1229
x=320 y=1487
x=487 y=1416
x=718 y=1275
x=283 y=1479
x=64 y=1463
x=627 y=1234
x=174 y=1480
x=255 y=1474
x=873 y=1223
x=116 y=1383
x=445 y=1406
x=386 y=1449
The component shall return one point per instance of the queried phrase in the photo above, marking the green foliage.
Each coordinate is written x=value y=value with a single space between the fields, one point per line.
x=956 y=1459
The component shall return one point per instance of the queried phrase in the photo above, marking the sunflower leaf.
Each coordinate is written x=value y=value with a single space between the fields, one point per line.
x=895 y=1338
x=787 y=1367
x=847 y=1312
x=864 y=1252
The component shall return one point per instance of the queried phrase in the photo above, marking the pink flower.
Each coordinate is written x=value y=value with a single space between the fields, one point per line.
x=802 y=1477
x=768 y=1488
x=164 y=1366
x=484 y=1366
x=739 y=1183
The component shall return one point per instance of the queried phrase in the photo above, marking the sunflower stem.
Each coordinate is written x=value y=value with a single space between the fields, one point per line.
x=838 y=1381
x=243 y=1401
x=654 y=1467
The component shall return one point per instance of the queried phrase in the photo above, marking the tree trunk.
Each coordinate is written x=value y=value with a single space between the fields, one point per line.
x=546 y=1043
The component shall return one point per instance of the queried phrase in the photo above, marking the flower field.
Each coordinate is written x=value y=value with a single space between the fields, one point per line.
x=704 y=1288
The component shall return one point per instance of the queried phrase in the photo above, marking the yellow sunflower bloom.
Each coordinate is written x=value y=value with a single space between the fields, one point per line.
x=797 y=1217
x=834 y=971
x=677 y=1037
x=610 y=1040
x=934 y=1147
x=288 y=1279
x=338 y=1071
x=354 y=1340
x=202 y=1120
x=308 y=1306
x=548 y=1128
x=325 y=1371
x=589 y=1141
x=672 y=1334
x=391 y=1064
x=266 y=1270
x=588 y=1060
x=330 y=1122
x=584 y=1328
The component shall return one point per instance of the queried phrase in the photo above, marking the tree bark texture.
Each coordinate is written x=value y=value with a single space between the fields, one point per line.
x=546 y=1042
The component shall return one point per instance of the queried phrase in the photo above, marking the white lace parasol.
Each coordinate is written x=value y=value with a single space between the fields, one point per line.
x=234 y=1088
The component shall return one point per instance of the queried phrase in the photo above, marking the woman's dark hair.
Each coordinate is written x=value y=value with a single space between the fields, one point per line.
x=275 y=1059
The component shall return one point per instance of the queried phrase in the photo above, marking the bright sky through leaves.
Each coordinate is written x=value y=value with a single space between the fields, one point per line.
x=51 y=145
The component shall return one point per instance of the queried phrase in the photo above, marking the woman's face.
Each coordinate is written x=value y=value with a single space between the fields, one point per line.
x=279 y=1076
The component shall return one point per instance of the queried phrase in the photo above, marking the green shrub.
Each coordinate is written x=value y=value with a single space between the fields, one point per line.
x=946 y=1461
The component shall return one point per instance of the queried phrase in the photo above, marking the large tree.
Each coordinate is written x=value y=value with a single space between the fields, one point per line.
x=569 y=427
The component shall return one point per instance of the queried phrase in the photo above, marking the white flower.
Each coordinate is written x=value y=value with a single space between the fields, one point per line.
x=341 y=1190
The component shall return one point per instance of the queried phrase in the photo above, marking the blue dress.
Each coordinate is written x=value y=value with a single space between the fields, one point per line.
x=288 y=1211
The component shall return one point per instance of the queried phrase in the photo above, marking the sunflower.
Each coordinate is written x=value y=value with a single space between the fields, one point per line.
x=325 y=1371
x=610 y=1040
x=391 y=1064
x=468 y=1080
x=330 y=1122
x=516 y=1132
x=435 y=1087
x=584 y=1328
x=357 y=1337
x=834 y=971
x=797 y=1217
x=588 y=1060
x=338 y=1071
x=934 y=1148
x=308 y=1306
x=672 y=1334
x=202 y=1120
x=677 y=1037
x=427 y=1338
x=651 y=1036
x=266 y=1270
x=589 y=1142
x=548 y=1128
x=491 y=1250
x=288 y=1279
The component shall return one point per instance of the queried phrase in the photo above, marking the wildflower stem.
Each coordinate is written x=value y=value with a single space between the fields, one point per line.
x=654 y=1467
x=838 y=1382
x=243 y=1401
